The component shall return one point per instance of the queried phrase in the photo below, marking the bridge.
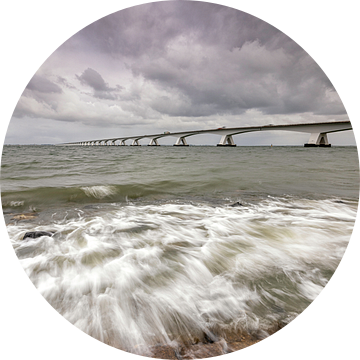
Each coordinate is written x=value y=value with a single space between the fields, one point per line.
x=318 y=134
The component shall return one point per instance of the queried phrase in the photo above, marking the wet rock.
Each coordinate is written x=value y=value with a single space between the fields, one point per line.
x=275 y=327
x=165 y=352
x=210 y=337
x=36 y=234
x=203 y=350
x=236 y=204
x=27 y=216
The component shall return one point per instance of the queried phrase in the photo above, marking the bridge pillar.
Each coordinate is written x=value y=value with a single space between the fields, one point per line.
x=226 y=140
x=318 y=140
x=181 y=141
x=153 y=142
x=135 y=143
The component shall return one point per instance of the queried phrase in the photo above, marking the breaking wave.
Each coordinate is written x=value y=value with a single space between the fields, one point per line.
x=143 y=275
x=99 y=192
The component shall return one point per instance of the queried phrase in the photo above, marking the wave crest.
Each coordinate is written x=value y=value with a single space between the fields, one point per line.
x=99 y=192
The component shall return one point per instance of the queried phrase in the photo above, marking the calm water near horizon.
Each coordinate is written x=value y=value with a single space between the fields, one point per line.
x=156 y=245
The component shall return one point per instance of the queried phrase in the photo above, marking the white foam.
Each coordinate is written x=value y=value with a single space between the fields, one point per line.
x=142 y=275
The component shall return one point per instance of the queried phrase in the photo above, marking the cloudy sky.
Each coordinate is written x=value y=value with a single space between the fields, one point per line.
x=175 y=66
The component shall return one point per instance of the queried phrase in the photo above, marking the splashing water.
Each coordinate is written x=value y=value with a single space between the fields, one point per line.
x=137 y=276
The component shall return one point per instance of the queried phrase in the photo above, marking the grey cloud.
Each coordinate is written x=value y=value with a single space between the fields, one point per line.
x=64 y=82
x=269 y=71
x=105 y=95
x=43 y=85
x=183 y=62
x=231 y=82
x=41 y=95
x=118 y=33
x=102 y=90
x=94 y=79
x=148 y=28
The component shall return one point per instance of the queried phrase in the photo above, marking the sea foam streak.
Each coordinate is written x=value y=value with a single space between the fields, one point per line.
x=143 y=275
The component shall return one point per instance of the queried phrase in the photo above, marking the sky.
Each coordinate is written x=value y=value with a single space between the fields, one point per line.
x=175 y=66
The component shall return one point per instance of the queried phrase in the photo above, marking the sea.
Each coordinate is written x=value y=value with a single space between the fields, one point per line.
x=167 y=245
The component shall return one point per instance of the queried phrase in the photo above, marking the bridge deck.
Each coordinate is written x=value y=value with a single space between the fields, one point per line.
x=313 y=128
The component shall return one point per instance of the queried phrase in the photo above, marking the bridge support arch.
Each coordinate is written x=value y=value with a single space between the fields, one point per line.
x=318 y=140
x=181 y=141
x=226 y=140
x=135 y=142
x=154 y=142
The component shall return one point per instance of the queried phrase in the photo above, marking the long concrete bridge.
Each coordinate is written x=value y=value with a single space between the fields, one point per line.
x=318 y=134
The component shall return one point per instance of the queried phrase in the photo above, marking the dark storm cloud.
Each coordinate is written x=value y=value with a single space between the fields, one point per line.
x=231 y=82
x=94 y=79
x=102 y=90
x=148 y=28
x=183 y=63
x=43 y=85
x=251 y=64
x=130 y=32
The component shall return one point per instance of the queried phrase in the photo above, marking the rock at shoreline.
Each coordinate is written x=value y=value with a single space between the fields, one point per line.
x=200 y=350
x=36 y=234
x=27 y=216
x=236 y=204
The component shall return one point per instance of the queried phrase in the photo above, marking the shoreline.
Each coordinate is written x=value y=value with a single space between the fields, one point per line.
x=210 y=347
